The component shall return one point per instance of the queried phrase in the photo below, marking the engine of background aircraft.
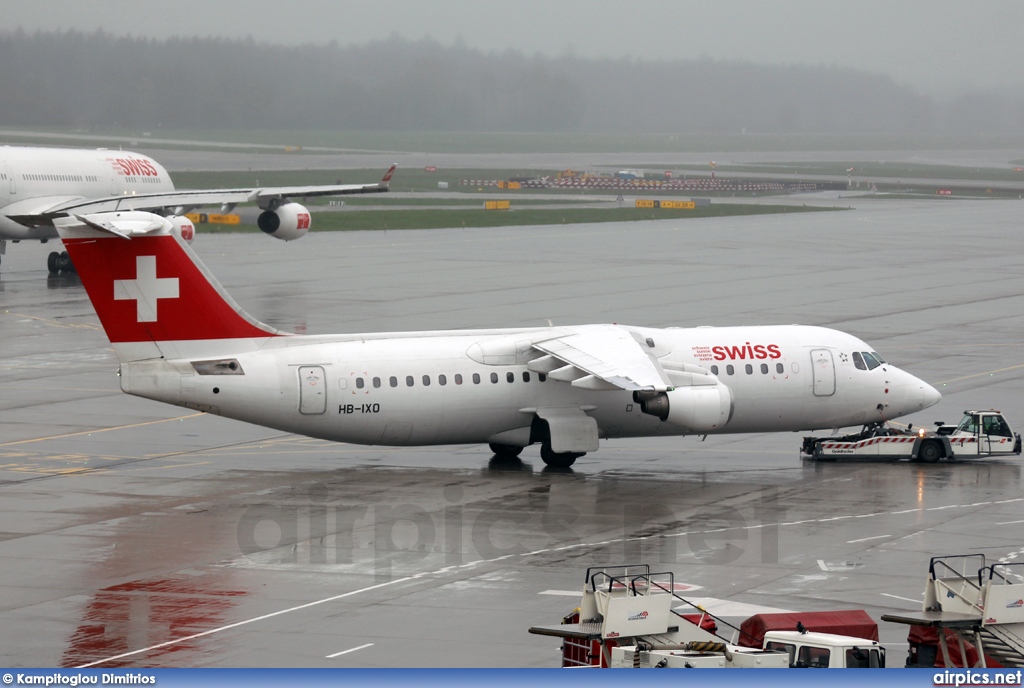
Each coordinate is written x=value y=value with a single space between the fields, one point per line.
x=183 y=227
x=287 y=222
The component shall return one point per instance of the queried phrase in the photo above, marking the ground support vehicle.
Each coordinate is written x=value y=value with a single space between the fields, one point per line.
x=979 y=434
x=972 y=615
x=630 y=617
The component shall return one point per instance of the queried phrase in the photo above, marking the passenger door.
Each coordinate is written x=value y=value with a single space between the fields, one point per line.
x=824 y=372
x=312 y=390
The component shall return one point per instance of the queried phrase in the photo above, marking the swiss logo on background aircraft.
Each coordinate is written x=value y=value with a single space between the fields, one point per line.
x=133 y=167
x=146 y=289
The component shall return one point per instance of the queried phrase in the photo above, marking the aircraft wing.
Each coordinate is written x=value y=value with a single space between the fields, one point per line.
x=43 y=214
x=602 y=357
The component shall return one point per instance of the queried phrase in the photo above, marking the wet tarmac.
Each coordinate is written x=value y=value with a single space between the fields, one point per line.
x=138 y=534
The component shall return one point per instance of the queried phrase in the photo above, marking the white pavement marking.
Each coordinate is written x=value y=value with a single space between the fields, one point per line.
x=563 y=593
x=1008 y=523
x=897 y=597
x=821 y=565
x=480 y=562
x=351 y=649
x=873 y=537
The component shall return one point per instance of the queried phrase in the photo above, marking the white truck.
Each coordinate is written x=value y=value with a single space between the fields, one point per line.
x=979 y=434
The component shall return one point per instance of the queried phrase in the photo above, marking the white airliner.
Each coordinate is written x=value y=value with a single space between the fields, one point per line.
x=181 y=339
x=38 y=185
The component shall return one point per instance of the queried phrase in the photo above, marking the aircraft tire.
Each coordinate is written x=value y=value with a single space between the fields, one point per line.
x=556 y=460
x=51 y=262
x=64 y=262
x=505 y=451
x=930 y=452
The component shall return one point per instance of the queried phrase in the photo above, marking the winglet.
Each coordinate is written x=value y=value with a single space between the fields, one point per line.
x=387 y=176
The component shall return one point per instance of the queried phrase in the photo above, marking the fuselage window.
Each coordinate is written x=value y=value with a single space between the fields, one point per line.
x=779 y=368
x=729 y=370
x=376 y=382
x=510 y=376
x=409 y=382
x=526 y=376
x=870 y=361
x=541 y=377
x=749 y=368
x=476 y=378
x=714 y=370
x=796 y=367
x=764 y=368
x=494 y=378
x=426 y=380
x=858 y=361
x=359 y=383
x=442 y=380
x=458 y=378
x=393 y=381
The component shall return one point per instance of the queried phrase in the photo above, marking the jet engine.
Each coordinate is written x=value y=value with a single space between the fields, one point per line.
x=703 y=408
x=183 y=227
x=287 y=221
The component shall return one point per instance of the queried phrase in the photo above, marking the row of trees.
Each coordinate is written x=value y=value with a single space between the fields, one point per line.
x=75 y=79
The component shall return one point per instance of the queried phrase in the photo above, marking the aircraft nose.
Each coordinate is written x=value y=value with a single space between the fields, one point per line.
x=930 y=395
x=922 y=393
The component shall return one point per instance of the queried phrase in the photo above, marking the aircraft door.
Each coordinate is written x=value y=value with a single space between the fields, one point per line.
x=312 y=390
x=824 y=372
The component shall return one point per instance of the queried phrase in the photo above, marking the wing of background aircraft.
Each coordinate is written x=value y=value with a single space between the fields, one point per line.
x=179 y=202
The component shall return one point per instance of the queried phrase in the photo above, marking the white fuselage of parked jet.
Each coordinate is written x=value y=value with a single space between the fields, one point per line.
x=477 y=386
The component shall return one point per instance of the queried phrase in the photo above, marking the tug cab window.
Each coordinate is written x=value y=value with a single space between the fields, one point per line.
x=969 y=424
x=995 y=425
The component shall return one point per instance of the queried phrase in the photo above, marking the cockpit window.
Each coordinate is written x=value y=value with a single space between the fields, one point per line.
x=870 y=361
x=858 y=361
x=877 y=357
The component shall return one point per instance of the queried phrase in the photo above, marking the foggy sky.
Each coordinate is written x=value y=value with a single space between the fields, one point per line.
x=942 y=48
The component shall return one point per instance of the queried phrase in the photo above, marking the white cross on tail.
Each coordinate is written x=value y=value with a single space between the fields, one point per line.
x=146 y=288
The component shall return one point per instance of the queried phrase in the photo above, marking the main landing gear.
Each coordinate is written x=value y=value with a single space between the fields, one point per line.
x=551 y=458
x=59 y=262
x=555 y=459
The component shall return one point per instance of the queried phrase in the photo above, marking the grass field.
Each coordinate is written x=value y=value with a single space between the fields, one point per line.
x=445 y=218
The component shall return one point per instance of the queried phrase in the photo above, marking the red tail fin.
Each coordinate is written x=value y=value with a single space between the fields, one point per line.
x=154 y=288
